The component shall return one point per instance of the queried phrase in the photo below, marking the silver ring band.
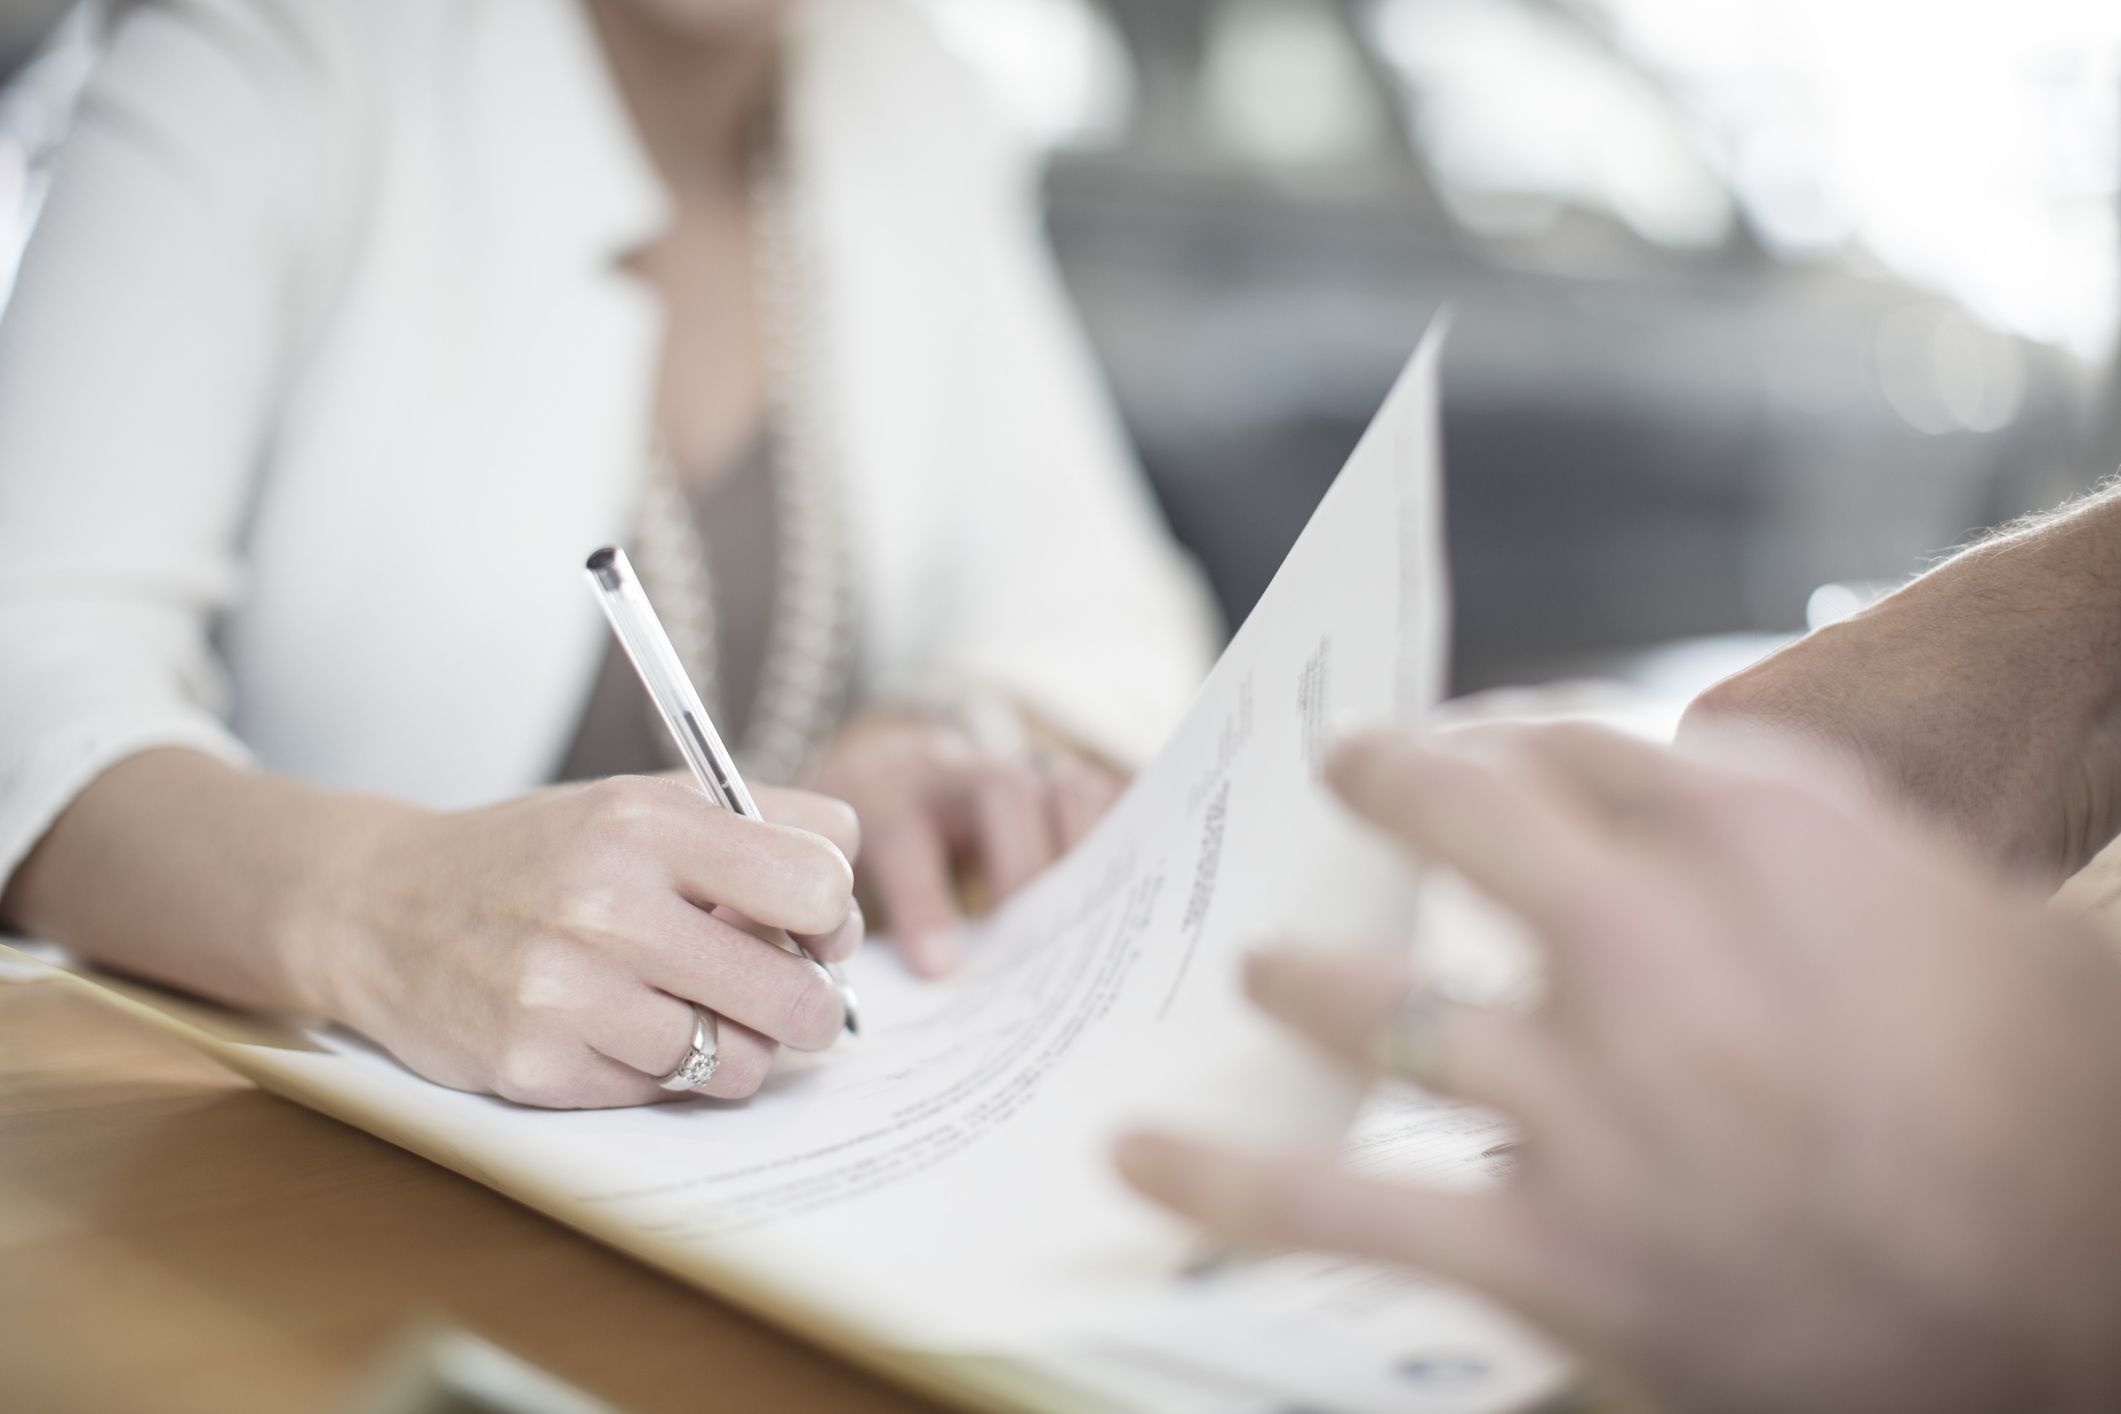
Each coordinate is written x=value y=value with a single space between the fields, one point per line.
x=700 y=1062
x=1411 y=1045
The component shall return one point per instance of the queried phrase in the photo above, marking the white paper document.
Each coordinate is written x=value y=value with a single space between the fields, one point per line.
x=944 y=1182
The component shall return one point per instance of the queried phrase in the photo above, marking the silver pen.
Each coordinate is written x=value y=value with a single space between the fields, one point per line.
x=633 y=619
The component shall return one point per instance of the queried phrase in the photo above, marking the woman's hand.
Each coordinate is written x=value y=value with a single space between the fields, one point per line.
x=1813 y=1115
x=547 y=949
x=933 y=800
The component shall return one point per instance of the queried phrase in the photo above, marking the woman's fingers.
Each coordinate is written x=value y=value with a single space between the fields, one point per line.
x=936 y=797
x=1269 y=1203
x=1012 y=823
x=838 y=945
x=776 y=874
x=743 y=1058
x=622 y=1087
x=652 y=1035
x=1078 y=796
x=810 y=810
x=697 y=957
x=908 y=870
x=642 y=1031
x=561 y=1073
x=836 y=821
x=600 y=1083
x=819 y=814
x=841 y=943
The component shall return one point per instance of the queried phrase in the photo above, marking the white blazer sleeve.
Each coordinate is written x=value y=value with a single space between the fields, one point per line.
x=139 y=367
x=1072 y=595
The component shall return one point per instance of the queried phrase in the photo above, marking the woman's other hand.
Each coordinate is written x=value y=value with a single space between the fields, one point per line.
x=1813 y=1115
x=934 y=800
x=548 y=949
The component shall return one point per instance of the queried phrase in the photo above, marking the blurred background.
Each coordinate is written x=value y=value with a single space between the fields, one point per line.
x=1759 y=302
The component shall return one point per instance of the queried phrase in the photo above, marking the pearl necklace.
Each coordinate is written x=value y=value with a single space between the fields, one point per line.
x=806 y=678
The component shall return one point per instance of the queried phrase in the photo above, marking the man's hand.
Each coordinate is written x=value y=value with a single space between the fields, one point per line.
x=1813 y=1116
x=1987 y=693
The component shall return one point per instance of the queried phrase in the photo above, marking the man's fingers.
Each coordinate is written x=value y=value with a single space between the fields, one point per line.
x=1269 y=1203
x=908 y=870
x=1340 y=1001
x=1516 y=838
x=1623 y=778
x=819 y=814
x=1760 y=821
x=1345 y=1002
x=1647 y=785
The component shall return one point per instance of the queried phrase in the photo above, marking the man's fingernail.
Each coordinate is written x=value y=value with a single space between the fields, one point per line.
x=1343 y=725
x=1134 y=1150
x=1264 y=957
x=1345 y=761
x=1267 y=969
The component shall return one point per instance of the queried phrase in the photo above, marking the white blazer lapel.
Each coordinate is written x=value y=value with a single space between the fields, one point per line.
x=571 y=341
x=502 y=420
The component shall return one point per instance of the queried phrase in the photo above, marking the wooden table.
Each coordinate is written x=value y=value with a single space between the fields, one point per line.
x=173 y=1239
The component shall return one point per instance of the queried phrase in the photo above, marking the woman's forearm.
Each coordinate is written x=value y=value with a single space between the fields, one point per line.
x=551 y=948
x=181 y=868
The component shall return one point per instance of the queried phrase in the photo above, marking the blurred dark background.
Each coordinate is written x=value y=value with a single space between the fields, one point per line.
x=1758 y=302
x=1758 y=305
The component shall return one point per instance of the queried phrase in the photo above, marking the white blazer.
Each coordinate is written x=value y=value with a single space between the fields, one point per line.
x=320 y=379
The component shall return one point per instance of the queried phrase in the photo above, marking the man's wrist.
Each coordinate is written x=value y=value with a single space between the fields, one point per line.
x=2043 y=603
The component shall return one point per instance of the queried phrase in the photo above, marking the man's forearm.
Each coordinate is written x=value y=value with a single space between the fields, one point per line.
x=1987 y=691
x=2035 y=608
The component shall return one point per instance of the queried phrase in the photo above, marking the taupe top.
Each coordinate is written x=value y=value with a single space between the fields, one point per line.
x=738 y=517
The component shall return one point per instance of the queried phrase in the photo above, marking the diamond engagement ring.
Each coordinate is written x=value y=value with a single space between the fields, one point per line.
x=700 y=1062
x=1411 y=1045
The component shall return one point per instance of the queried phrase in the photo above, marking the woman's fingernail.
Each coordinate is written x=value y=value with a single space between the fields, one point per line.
x=931 y=956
